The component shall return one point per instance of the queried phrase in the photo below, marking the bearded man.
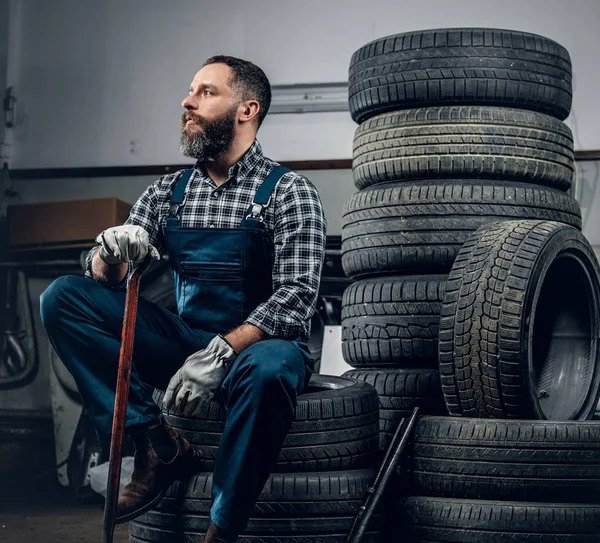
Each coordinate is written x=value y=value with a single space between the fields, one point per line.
x=246 y=239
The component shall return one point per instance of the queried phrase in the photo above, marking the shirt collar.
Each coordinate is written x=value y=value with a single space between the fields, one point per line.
x=242 y=168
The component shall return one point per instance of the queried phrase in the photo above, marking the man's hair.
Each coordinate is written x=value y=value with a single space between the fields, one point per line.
x=248 y=81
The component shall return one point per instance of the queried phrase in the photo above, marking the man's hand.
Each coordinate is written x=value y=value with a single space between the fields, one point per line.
x=199 y=377
x=124 y=243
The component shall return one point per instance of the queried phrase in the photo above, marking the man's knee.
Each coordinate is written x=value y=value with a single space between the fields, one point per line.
x=61 y=290
x=271 y=362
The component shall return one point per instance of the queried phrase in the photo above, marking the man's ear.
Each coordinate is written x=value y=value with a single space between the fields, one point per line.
x=248 y=110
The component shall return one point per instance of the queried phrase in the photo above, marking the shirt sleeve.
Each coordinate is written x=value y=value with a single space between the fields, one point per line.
x=144 y=213
x=299 y=250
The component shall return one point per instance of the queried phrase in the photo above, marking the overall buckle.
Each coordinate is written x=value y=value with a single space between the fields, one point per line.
x=174 y=208
x=257 y=210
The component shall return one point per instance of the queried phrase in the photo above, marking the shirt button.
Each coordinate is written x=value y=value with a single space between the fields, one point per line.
x=216 y=194
x=212 y=225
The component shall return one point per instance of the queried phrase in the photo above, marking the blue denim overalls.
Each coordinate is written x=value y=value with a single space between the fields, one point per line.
x=220 y=276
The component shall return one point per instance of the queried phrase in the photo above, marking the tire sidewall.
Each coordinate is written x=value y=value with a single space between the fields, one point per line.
x=564 y=242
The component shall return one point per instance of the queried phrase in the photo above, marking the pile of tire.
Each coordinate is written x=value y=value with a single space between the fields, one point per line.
x=458 y=128
x=472 y=274
x=323 y=471
x=492 y=480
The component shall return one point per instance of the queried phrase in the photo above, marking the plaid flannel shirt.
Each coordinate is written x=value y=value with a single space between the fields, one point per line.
x=294 y=220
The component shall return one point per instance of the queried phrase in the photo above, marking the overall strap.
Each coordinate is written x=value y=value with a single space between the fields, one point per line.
x=178 y=198
x=262 y=198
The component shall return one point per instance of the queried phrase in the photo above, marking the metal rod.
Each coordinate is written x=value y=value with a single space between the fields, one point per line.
x=40 y=263
x=375 y=492
x=120 y=411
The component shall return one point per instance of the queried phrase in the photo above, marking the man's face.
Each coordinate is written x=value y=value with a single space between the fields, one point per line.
x=208 y=125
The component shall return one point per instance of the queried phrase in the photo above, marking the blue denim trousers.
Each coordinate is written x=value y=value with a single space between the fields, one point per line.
x=84 y=320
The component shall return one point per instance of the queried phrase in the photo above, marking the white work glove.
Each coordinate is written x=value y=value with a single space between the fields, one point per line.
x=199 y=377
x=125 y=243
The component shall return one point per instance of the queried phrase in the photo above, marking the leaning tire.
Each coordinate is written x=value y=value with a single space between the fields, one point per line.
x=292 y=508
x=419 y=226
x=336 y=426
x=392 y=321
x=536 y=461
x=460 y=66
x=400 y=391
x=521 y=309
x=443 y=520
x=464 y=142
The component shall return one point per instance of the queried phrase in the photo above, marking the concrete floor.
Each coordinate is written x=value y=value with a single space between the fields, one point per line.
x=42 y=511
x=52 y=523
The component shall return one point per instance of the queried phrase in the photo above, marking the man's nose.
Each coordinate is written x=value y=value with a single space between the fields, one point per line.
x=189 y=102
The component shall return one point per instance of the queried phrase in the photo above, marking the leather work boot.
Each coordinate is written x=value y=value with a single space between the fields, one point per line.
x=218 y=535
x=161 y=456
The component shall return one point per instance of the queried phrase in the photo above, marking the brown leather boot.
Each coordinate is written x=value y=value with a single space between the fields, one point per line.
x=218 y=535
x=153 y=474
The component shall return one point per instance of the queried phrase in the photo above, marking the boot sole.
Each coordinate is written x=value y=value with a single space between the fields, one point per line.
x=187 y=467
x=141 y=510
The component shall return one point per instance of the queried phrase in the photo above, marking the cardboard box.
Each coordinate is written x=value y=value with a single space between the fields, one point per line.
x=74 y=223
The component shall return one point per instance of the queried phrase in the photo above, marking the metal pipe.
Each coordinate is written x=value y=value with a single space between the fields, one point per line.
x=375 y=492
x=122 y=393
x=40 y=263
x=14 y=356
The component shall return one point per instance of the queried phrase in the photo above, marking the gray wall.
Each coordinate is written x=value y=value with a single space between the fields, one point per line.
x=4 y=8
x=588 y=188
x=334 y=186
x=4 y=11
x=101 y=82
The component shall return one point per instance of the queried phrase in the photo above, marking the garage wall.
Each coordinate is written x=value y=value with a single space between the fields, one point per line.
x=4 y=9
x=100 y=83
x=588 y=185
x=334 y=186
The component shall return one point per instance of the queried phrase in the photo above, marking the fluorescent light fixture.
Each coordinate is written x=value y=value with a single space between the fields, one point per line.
x=309 y=98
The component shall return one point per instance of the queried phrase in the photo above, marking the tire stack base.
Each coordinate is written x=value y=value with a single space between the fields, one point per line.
x=467 y=251
x=324 y=468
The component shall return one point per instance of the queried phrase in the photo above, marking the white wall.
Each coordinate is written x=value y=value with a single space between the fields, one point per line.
x=100 y=82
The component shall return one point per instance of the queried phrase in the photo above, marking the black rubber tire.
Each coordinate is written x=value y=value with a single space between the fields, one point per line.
x=444 y=520
x=292 y=507
x=419 y=226
x=400 y=391
x=336 y=426
x=482 y=66
x=392 y=321
x=522 y=307
x=535 y=461
x=464 y=142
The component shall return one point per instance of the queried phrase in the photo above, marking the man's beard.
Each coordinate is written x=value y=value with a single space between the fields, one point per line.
x=213 y=141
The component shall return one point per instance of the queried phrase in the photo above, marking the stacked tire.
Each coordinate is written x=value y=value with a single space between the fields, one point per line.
x=458 y=128
x=319 y=483
x=503 y=481
x=463 y=167
x=389 y=335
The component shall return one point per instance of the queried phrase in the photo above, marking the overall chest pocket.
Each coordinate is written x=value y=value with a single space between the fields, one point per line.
x=213 y=295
